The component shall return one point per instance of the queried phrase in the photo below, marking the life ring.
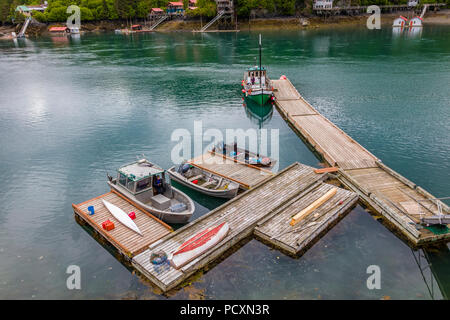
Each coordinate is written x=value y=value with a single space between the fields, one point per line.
x=158 y=257
x=265 y=161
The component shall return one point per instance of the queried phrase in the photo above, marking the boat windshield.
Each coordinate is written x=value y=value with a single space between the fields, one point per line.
x=143 y=184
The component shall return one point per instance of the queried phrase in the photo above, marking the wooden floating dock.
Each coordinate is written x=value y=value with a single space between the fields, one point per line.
x=380 y=187
x=276 y=230
x=126 y=241
x=265 y=200
x=246 y=175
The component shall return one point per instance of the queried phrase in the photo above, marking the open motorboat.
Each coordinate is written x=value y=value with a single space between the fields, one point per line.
x=204 y=181
x=149 y=186
x=243 y=155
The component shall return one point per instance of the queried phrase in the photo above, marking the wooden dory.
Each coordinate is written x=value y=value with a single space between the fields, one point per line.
x=198 y=244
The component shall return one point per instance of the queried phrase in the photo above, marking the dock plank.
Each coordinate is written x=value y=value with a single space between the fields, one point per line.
x=125 y=240
x=242 y=213
x=247 y=176
x=338 y=148
x=378 y=185
x=278 y=232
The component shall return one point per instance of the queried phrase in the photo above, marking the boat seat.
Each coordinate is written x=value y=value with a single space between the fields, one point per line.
x=207 y=184
x=195 y=178
x=219 y=183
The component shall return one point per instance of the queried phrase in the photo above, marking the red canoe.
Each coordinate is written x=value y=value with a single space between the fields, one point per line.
x=198 y=244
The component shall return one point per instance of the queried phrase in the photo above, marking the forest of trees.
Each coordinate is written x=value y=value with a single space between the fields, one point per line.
x=94 y=10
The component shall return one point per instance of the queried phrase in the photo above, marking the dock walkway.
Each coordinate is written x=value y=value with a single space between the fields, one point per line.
x=246 y=175
x=288 y=188
x=335 y=145
x=380 y=187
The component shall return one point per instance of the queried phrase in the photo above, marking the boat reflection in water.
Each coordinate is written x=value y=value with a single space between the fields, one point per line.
x=259 y=114
x=433 y=263
x=414 y=32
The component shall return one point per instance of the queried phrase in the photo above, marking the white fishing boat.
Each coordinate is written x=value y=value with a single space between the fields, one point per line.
x=204 y=181
x=149 y=186
x=198 y=244
x=120 y=215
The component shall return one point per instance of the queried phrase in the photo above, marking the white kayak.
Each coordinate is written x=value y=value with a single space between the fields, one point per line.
x=198 y=244
x=123 y=218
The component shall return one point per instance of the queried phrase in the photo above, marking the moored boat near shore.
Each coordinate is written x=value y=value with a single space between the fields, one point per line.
x=148 y=185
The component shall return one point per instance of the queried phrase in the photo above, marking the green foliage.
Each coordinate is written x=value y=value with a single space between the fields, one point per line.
x=130 y=9
x=40 y=16
x=205 y=8
x=18 y=17
x=57 y=13
x=285 y=7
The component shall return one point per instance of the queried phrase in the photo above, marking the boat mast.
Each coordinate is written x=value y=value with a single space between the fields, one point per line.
x=260 y=70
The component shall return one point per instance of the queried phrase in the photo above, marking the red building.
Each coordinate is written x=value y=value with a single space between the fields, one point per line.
x=175 y=8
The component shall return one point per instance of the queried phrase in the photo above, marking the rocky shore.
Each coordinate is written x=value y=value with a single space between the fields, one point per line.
x=289 y=23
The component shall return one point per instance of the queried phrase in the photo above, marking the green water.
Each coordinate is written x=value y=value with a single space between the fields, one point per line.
x=69 y=108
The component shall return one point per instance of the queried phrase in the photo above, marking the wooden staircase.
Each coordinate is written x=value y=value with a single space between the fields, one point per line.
x=157 y=23
x=24 y=28
x=209 y=24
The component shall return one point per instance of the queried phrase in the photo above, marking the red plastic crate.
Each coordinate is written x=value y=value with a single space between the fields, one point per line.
x=108 y=225
x=132 y=215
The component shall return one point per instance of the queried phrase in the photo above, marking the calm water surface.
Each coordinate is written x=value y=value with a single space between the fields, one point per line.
x=71 y=108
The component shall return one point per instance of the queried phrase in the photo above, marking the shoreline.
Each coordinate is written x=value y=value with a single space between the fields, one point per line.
x=441 y=17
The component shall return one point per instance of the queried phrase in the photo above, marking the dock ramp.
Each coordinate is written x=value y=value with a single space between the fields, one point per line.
x=158 y=22
x=210 y=23
x=380 y=187
x=24 y=27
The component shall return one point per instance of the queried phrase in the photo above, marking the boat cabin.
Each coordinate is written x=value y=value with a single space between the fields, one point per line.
x=140 y=177
x=252 y=75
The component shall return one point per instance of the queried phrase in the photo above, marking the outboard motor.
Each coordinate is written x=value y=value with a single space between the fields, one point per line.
x=183 y=168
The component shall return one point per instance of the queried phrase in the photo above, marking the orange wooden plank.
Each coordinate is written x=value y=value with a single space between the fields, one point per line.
x=326 y=170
